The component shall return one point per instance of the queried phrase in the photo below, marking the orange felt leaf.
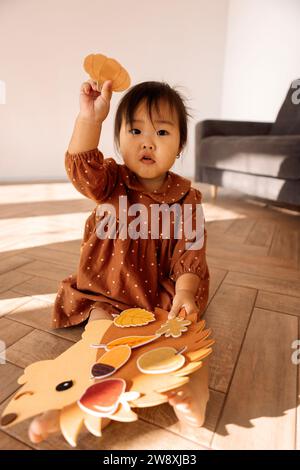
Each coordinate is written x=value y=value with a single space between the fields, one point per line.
x=131 y=341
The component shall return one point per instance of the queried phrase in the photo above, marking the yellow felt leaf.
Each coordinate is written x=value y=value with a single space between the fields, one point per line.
x=134 y=317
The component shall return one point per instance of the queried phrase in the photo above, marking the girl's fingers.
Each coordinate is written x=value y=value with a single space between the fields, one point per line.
x=173 y=313
x=85 y=88
x=106 y=86
x=88 y=87
x=96 y=86
x=107 y=90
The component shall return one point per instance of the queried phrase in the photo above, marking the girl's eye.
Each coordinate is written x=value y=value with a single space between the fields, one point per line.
x=163 y=131
x=132 y=131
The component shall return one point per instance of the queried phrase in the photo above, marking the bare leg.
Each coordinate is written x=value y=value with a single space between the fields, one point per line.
x=48 y=423
x=189 y=402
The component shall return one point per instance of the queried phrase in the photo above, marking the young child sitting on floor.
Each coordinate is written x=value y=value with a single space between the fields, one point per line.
x=116 y=273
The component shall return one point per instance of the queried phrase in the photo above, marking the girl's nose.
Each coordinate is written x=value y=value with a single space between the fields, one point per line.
x=149 y=146
x=147 y=141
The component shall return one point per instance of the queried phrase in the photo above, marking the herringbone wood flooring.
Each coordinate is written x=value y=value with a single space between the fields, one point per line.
x=254 y=309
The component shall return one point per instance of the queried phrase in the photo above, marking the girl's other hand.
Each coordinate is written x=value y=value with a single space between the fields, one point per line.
x=94 y=104
x=183 y=299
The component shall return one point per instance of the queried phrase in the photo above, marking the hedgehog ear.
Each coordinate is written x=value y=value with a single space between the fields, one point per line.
x=34 y=369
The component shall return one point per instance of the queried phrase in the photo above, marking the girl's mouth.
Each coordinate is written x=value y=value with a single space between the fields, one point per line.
x=147 y=160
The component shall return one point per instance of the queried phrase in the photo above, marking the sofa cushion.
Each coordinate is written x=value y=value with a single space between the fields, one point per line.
x=276 y=156
x=288 y=118
x=274 y=189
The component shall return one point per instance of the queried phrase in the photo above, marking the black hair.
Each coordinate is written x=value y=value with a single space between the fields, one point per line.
x=152 y=92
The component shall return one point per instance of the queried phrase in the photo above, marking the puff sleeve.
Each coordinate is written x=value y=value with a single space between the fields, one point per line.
x=189 y=254
x=91 y=174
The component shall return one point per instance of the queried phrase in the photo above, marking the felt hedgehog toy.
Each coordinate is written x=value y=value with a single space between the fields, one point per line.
x=119 y=364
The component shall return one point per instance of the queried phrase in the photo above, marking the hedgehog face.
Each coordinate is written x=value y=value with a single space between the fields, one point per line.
x=54 y=384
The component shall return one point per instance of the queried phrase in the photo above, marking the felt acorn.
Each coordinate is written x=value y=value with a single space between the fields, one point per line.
x=111 y=361
x=101 y=68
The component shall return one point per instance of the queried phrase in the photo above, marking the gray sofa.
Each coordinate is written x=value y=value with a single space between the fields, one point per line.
x=261 y=159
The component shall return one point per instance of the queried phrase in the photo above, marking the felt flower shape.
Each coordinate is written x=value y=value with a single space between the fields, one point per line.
x=174 y=327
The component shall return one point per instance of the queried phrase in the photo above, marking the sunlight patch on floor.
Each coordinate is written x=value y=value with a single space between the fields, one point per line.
x=214 y=212
x=37 y=192
x=30 y=232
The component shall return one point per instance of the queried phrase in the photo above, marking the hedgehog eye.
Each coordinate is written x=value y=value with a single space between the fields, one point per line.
x=64 y=385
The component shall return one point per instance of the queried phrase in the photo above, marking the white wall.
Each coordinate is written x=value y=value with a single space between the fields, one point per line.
x=262 y=57
x=42 y=47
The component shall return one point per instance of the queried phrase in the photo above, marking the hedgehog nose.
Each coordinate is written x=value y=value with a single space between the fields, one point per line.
x=7 y=419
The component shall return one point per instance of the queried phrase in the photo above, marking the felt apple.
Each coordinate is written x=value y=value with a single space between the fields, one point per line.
x=160 y=361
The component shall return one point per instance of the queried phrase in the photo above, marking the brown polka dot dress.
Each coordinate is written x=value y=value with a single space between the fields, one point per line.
x=119 y=272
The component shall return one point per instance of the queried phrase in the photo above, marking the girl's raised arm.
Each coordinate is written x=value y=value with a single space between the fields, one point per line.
x=94 y=108
x=92 y=175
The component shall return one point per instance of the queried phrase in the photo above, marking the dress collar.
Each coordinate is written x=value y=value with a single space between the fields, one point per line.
x=173 y=189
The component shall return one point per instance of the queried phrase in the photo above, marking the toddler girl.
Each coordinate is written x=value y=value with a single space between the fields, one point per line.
x=117 y=272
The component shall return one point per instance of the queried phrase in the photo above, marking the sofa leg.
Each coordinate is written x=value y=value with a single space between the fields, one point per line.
x=214 y=191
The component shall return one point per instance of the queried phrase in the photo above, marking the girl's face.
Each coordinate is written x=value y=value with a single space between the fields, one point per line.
x=160 y=142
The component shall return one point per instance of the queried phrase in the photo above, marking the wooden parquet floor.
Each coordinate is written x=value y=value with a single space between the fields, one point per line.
x=254 y=309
